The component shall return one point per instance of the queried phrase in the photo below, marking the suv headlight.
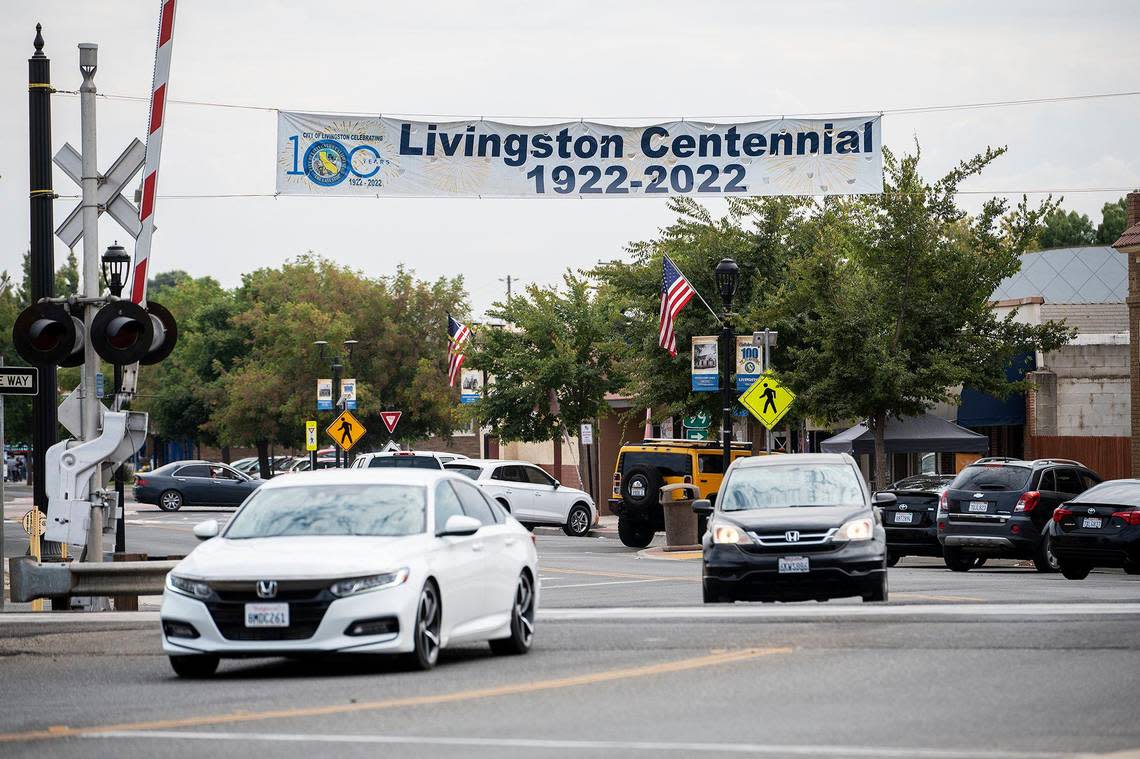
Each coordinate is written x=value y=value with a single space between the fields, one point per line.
x=356 y=585
x=192 y=588
x=729 y=533
x=857 y=529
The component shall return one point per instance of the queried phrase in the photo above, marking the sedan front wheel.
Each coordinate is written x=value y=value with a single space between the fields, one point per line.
x=522 y=621
x=426 y=632
x=578 y=522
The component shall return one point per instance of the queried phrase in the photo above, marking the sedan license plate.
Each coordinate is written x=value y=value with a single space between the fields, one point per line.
x=1091 y=522
x=793 y=565
x=979 y=507
x=267 y=615
x=902 y=518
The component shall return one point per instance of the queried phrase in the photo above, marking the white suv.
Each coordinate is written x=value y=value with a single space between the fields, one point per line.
x=405 y=459
x=530 y=494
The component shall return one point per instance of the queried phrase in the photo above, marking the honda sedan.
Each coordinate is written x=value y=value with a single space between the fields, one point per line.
x=794 y=528
x=355 y=561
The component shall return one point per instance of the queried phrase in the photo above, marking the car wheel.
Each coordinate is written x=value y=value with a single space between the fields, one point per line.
x=426 y=632
x=1131 y=568
x=713 y=598
x=1043 y=558
x=578 y=522
x=956 y=561
x=522 y=621
x=1075 y=570
x=893 y=559
x=640 y=486
x=879 y=593
x=635 y=533
x=170 y=500
x=194 y=665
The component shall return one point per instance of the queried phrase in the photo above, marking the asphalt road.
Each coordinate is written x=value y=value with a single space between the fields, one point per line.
x=1000 y=662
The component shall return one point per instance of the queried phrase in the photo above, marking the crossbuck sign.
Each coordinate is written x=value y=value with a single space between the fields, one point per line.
x=111 y=186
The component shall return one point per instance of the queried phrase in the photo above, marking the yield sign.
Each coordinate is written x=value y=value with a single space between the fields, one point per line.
x=111 y=186
x=768 y=400
x=391 y=419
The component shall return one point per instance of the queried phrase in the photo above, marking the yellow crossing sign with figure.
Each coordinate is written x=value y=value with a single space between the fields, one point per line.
x=346 y=431
x=768 y=400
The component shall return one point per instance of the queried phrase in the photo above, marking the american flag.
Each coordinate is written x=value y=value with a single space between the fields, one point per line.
x=676 y=292
x=458 y=334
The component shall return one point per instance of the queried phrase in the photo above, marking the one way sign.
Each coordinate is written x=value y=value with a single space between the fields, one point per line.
x=19 y=380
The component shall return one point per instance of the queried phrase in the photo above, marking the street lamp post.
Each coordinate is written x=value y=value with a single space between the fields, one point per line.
x=115 y=264
x=727 y=275
x=337 y=370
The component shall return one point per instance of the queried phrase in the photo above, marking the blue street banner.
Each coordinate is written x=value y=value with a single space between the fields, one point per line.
x=705 y=364
x=329 y=154
x=747 y=362
x=471 y=387
x=324 y=395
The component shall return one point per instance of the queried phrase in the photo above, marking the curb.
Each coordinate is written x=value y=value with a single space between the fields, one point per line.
x=677 y=553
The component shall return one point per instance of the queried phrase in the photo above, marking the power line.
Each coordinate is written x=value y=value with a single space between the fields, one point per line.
x=835 y=114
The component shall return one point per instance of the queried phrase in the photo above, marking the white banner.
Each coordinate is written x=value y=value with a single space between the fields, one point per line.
x=381 y=156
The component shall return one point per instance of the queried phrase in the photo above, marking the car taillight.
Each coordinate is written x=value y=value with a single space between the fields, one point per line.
x=1128 y=517
x=944 y=501
x=1028 y=502
x=140 y=482
x=1061 y=513
x=617 y=484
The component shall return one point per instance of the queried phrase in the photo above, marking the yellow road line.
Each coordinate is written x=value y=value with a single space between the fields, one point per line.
x=713 y=659
x=629 y=575
x=927 y=597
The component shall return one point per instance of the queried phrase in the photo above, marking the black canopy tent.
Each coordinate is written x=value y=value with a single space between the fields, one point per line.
x=912 y=434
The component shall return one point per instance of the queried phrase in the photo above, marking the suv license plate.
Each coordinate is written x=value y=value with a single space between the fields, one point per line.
x=1091 y=522
x=901 y=518
x=979 y=507
x=267 y=615
x=793 y=565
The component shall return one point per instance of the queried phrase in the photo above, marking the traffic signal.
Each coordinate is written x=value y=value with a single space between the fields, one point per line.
x=165 y=333
x=46 y=334
x=122 y=332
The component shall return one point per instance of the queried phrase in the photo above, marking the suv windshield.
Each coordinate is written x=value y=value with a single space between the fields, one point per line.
x=992 y=477
x=379 y=510
x=779 y=486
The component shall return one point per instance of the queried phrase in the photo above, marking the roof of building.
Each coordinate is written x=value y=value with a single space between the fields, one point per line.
x=1094 y=274
x=1130 y=237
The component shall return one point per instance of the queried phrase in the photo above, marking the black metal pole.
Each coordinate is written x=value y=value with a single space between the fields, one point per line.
x=727 y=356
x=120 y=486
x=42 y=254
x=336 y=367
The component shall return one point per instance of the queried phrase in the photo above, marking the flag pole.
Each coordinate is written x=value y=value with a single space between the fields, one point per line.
x=695 y=290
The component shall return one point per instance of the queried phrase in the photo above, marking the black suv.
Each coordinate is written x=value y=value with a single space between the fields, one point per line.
x=1000 y=507
x=911 y=524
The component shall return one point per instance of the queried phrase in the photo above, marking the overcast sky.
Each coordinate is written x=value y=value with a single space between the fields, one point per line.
x=588 y=58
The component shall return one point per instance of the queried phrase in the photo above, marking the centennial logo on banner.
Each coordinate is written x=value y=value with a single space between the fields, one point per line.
x=706 y=364
x=748 y=360
x=321 y=154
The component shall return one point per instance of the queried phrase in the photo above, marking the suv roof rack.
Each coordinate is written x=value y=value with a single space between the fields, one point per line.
x=652 y=441
x=993 y=459
x=1057 y=461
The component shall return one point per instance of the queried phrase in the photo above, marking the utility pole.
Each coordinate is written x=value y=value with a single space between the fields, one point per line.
x=89 y=400
x=508 y=279
x=42 y=259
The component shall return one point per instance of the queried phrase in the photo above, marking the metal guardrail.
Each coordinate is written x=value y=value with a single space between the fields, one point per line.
x=31 y=580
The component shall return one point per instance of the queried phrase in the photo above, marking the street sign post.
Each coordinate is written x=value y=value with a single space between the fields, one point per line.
x=19 y=380
x=310 y=436
x=768 y=400
x=587 y=434
x=391 y=419
x=345 y=431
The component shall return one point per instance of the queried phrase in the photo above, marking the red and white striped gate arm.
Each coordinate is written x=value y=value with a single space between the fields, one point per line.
x=153 y=149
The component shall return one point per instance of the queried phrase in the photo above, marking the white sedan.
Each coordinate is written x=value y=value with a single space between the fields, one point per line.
x=530 y=494
x=356 y=561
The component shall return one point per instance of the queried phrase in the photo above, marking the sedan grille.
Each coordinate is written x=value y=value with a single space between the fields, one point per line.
x=304 y=619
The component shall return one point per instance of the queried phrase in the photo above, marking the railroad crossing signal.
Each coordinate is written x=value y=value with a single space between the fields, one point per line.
x=111 y=186
x=768 y=400
x=346 y=431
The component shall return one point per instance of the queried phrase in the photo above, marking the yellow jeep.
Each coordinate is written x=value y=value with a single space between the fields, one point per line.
x=643 y=468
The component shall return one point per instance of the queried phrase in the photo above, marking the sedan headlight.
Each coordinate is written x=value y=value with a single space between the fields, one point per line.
x=193 y=588
x=357 y=585
x=857 y=529
x=729 y=533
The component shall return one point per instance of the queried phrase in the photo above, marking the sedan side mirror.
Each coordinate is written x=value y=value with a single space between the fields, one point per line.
x=557 y=484
x=703 y=507
x=206 y=530
x=459 y=525
x=884 y=499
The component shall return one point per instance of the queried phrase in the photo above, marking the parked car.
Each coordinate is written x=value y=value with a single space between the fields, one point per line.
x=793 y=528
x=247 y=465
x=643 y=468
x=530 y=494
x=911 y=521
x=1098 y=528
x=194 y=483
x=405 y=459
x=362 y=561
x=303 y=465
x=1000 y=507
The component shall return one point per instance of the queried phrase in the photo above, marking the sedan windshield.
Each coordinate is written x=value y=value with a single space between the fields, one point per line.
x=379 y=510
x=774 y=487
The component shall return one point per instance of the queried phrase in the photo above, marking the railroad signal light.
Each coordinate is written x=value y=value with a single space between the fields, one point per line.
x=46 y=334
x=165 y=333
x=122 y=332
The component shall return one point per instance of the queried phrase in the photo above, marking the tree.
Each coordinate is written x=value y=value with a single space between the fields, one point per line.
x=888 y=310
x=1114 y=218
x=552 y=363
x=1066 y=230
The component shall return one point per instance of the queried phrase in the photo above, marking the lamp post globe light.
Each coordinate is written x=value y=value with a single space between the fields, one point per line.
x=727 y=276
x=116 y=263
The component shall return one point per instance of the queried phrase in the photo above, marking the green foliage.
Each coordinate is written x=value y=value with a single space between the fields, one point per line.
x=1114 y=217
x=552 y=364
x=1066 y=230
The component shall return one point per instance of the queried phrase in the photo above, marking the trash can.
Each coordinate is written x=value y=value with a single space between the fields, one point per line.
x=680 y=521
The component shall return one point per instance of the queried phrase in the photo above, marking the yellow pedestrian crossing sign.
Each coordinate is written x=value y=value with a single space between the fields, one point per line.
x=768 y=400
x=346 y=430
